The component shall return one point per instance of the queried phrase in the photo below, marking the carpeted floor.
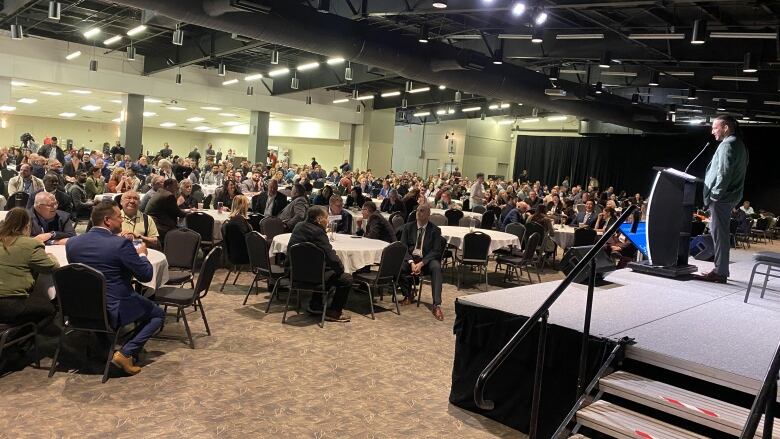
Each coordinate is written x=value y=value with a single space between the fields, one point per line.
x=254 y=377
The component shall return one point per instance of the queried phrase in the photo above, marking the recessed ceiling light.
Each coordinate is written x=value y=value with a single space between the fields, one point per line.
x=7 y=108
x=73 y=55
x=149 y=114
x=470 y=109
x=202 y=128
x=90 y=108
x=442 y=87
x=213 y=130
x=308 y=66
x=340 y=101
x=51 y=93
x=152 y=100
x=27 y=101
x=419 y=90
x=112 y=40
x=116 y=101
x=211 y=108
x=334 y=61
x=390 y=94
x=557 y=118
x=231 y=123
x=530 y=120
x=254 y=77
x=18 y=83
x=230 y=81
x=136 y=30
x=92 y=32
x=228 y=115
x=81 y=92
x=195 y=119
x=176 y=108
x=440 y=4
x=167 y=124
x=422 y=114
x=364 y=98
x=279 y=72
x=67 y=114
x=117 y=120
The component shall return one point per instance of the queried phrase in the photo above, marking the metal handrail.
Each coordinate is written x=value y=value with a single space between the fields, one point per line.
x=764 y=402
x=509 y=347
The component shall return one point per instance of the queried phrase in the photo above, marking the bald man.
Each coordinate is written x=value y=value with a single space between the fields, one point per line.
x=49 y=224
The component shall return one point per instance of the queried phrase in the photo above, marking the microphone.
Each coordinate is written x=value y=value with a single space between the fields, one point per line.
x=697 y=156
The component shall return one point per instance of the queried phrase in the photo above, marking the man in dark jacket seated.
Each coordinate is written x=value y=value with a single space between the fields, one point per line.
x=375 y=226
x=164 y=208
x=336 y=209
x=423 y=242
x=49 y=224
x=313 y=230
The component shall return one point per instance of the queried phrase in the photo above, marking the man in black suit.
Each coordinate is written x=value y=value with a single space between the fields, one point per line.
x=50 y=225
x=164 y=209
x=336 y=208
x=423 y=242
x=270 y=202
x=586 y=217
x=375 y=226
x=313 y=230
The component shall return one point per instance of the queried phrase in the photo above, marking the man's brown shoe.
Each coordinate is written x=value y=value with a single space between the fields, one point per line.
x=336 y=316
x=125 y=363
x=406 y=301
x=437 y=312
x=711 y=277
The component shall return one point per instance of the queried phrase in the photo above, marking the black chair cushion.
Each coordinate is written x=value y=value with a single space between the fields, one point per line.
x=771 y=257
x=173 y=295
x=368 y=277
x=509 y=260
x=176 y=276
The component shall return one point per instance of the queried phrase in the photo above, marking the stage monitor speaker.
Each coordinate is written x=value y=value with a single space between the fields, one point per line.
x=703 y=248
x=573 y=256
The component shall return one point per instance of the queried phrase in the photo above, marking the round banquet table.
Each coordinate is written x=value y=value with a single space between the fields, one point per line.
x=354 y=252
x=564 y=235
x=454 y=236
x=157 y=259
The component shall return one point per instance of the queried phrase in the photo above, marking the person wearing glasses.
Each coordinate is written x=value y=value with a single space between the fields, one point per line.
x=50 y=225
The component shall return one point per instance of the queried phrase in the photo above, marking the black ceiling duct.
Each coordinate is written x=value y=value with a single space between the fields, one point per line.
x=295 y=25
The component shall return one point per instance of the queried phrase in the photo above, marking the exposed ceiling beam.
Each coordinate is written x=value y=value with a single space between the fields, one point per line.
x=203 y=49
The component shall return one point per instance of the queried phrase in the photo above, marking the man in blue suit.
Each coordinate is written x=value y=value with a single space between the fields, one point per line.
x=102 y=249
x=587 y=217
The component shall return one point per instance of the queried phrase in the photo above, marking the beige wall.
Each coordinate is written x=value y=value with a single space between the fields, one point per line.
x=380 y=141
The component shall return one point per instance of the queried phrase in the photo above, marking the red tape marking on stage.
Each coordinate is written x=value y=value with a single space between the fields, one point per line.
x=709 y=413
x=643 y=434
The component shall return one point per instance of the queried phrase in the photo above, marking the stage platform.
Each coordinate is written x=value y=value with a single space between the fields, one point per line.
x=699 y=329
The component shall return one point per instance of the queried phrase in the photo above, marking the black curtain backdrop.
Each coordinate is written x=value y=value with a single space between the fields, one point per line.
x=626 y=162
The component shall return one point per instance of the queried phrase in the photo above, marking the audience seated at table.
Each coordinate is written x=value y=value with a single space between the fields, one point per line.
x=336 y=209
x=393 y=203
x=156 y=185
x=355 y=198
x=270 y=202
x=164 y=209
x=445 y=201
x=51 y=185
x=253 y=184
x=22 y=259
x=117 y=177
x=25 y=182
x=323 y=198
x=226 y=193
x=620 y=249
x=186 y=200
x=295 y=212
x=136 y=224
x=95 y=184
x=238 y=214
x=587 y=217
x=412 y=199
x=606 y=218
x=385 y=191
x=119 y=261
x=213 y=177
x=516 y=215
x=78 y=195
x=423 y=243
x=313 y=230
x=539 y=216
x=49 y=224
x=374 y=225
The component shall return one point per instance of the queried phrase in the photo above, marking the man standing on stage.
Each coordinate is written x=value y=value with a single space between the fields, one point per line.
x=724 y=182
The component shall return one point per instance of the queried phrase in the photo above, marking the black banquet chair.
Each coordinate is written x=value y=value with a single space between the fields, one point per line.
x=476 y=251
x=453 y=216
x=81 y=295
x=260 y=264
x=271 y=226
x=202 y=224
x=181 y=250
x=14 y=334
x=479 y=209
x=19 y=199
x=307 y=273
x=183 y=298
x=387 y=277
x=515 y=262
x=254 y=220
x=234 y=242
x=584 y=236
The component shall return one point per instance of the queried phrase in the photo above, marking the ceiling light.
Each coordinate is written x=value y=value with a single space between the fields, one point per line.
x=230 y=81
x=538 y=36
x=308 y=66
x=493 y=107
x=131 y=52
x=498 y=57
x=91 y=108
x=168 y=124
x=27 y=101
x=112 y=40
x=599 y=88
x=605 y=61
x=55 y=10
x=745 y=35
x=541 y=17
x=625 y=74
x=654 y=78
x=16 y=32
x=73 y=55
x=211 y=108
x=323 y=6
x=95 y=31
x=389 y=94
x=439 y=4
x=470 y=109
x=51 y=93
x=514 y=37
x=221 y=69
x=555 y=73
x=504 y=106
x=699 y=33
x=340 y=101
x=672 y=109
x=334 y=61
x=176 y=108
x=364 y=98
x=506 y=122
x=423 y=38
x=419 y=90
x=530 y=120
x=178 y=36
x=556 y=118
x=422 y=114
x=231 y=123
x=749 y=66
x=228 y=115
x=451 y=110
x=202 y=128
x=253 y=77
x=465 y=37
x=518 y=9
x=659 y=36
x=274 y=57
x=81 y=92
x=692 y=93
x=195 y=119
x=404 y=103
x=442 y=87
x=152 y=100
x=116 y=101
x=149 y=114
x=441 y=112
x=67 y=114
x=18 y=83
x=735 y=78
x=279 y=72
x=579 y=37
x=136 y=30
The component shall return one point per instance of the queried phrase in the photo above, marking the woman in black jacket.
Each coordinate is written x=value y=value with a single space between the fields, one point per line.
x=355 y=198
x=393 y=203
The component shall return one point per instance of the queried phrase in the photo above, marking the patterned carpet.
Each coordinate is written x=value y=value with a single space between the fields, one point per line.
x=254 y=377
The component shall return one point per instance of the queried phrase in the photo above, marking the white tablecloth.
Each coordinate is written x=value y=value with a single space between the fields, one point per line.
x=454 y=236
x=564 y=236
x=208 y=189
x=159 y=266
x=355 y=253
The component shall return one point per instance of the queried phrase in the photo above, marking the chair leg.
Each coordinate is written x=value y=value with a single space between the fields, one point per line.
x=57 y=353
x=203 y=314
x=252 y=285
x=487 y=285
x=274 y=292
x=750 y=284
x=111 y=351
x=395 y=299
x=371 y=301
x=324 y=308
x=766 y=279
x=35 y=348
x=238 y=272
x=287 y=305
x=230 y=270
x=187 y=327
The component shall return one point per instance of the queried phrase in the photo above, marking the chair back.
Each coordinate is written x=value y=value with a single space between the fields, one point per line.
x=453 y=216
x=479 y=209
x=466 y=204
x=254 y=221
x=181 y=248
x=257 y=248
x=469 y=222
x=762 y=224
x=438 y=219
x=234 y=243
x=412 y=216
x=488 y=220
x=207 y=270
x=7 y=174
x=579 y=208
x=516 y=229
x=81 y=294
x=391 y=263
x=201 y=223
x=697 y=228
x=307 y=265
x=476 y=247
x=375 y=192
x=532 y=227
x=118 y=199
x=397 y=220
x=271 y=226
x=531 y=246
x=19 y=199
x=253 y=202
x=207 y=201
x=584 y=236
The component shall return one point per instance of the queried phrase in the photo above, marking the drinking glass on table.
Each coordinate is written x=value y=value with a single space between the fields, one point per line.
x=200 y=206
x=219 y=206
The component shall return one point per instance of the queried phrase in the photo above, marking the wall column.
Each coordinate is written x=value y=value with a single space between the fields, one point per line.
x=131 y=125
x=259 y=126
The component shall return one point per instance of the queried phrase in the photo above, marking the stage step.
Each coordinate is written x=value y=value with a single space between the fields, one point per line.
x=694 y=407
x=578 y=436
x=620 y=423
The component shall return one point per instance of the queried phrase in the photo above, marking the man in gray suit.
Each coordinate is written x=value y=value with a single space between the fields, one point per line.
x=724 y=183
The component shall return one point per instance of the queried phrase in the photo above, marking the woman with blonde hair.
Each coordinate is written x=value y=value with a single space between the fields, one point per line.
x=22 y=259
x=238 y=213
x=115 y=181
